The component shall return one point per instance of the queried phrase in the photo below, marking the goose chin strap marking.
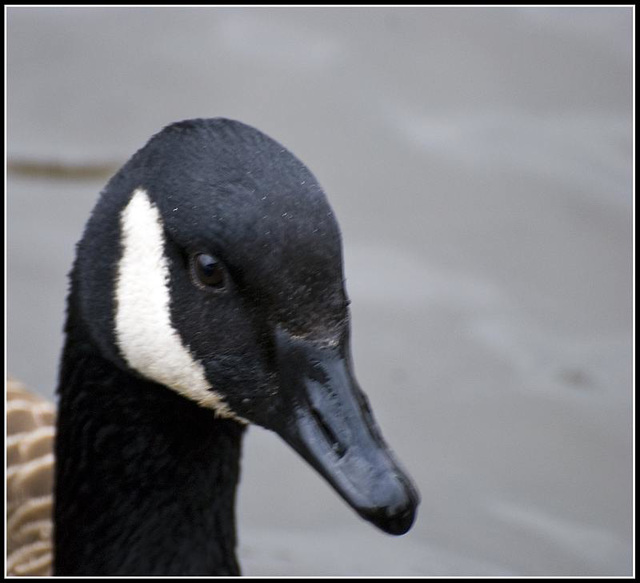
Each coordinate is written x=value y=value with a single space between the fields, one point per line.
x=144 y=333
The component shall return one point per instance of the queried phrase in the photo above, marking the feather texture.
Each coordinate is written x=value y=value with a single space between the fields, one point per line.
x=30 y=434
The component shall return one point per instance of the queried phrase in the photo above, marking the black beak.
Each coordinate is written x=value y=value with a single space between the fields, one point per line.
x=326 y=418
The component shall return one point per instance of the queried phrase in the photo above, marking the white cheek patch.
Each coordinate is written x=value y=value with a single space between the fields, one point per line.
x=145 y=336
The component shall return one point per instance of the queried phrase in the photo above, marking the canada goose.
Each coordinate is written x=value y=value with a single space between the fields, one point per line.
x=207 y=293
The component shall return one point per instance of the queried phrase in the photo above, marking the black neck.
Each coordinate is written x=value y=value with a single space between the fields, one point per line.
x=145 y=480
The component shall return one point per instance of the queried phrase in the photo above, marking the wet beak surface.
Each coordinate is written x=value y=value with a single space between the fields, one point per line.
x=326 y=418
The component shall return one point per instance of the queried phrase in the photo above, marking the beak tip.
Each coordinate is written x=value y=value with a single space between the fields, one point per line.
x=396 y=524
x=396 y=518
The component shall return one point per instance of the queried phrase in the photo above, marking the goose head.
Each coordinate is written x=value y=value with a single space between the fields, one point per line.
x=226 y=286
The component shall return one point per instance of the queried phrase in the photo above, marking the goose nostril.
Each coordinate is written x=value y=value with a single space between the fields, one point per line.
x=339 y=449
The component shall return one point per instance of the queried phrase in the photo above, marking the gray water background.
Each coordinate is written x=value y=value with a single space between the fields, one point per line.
x=480 y=164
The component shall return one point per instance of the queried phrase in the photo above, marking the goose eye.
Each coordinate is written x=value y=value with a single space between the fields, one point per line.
x=208 y=271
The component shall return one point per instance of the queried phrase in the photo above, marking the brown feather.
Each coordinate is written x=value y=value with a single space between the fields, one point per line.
x=30 y=435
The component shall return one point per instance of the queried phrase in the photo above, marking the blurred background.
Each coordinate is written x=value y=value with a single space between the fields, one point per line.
x=480 y=165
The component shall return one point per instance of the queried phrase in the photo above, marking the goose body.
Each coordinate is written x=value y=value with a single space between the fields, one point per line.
x=207 y=294
x=30 y=432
